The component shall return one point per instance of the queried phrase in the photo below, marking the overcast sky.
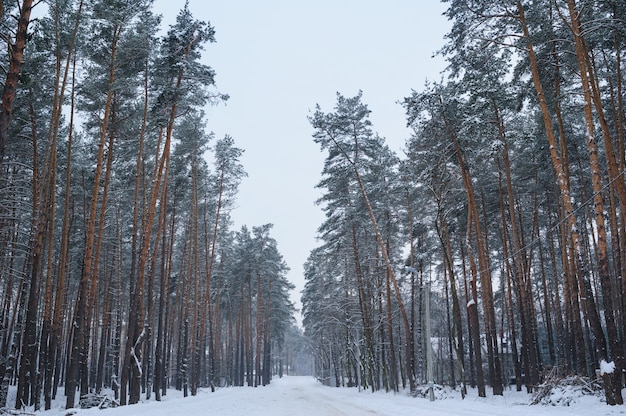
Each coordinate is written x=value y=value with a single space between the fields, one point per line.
x=277 y=59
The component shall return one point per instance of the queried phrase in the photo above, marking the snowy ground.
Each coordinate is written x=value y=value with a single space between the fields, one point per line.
x=303 y=396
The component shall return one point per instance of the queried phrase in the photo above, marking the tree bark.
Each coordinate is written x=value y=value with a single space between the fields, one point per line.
x=16 y=59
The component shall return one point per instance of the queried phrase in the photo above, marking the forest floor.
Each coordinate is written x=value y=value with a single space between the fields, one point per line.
x=303 y=396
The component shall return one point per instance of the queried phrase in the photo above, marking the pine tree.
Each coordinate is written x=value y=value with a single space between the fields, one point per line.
x=352 y=147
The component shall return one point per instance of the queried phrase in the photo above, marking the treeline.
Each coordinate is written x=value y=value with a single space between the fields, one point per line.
x=118 y=266
x=510 y=200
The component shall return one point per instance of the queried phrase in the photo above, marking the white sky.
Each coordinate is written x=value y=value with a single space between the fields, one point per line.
x=277 y=59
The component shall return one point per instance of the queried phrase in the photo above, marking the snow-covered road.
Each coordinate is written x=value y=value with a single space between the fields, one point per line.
x=303 y=396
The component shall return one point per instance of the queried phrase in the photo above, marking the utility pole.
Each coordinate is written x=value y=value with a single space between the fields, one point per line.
x=429 y=348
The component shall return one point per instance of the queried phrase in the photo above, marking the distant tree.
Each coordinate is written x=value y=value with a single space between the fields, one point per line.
x=222 y=187
x=352 y=154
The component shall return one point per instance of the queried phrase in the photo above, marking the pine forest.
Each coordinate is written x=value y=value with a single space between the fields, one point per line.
x=488 y=254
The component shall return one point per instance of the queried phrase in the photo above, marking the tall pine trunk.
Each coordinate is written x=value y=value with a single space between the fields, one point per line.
x=87 y=280
x=16 y=59
x=613 y=380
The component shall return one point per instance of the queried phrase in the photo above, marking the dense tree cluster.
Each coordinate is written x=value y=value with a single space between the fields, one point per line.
x=510 y=201
x=118 y=265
